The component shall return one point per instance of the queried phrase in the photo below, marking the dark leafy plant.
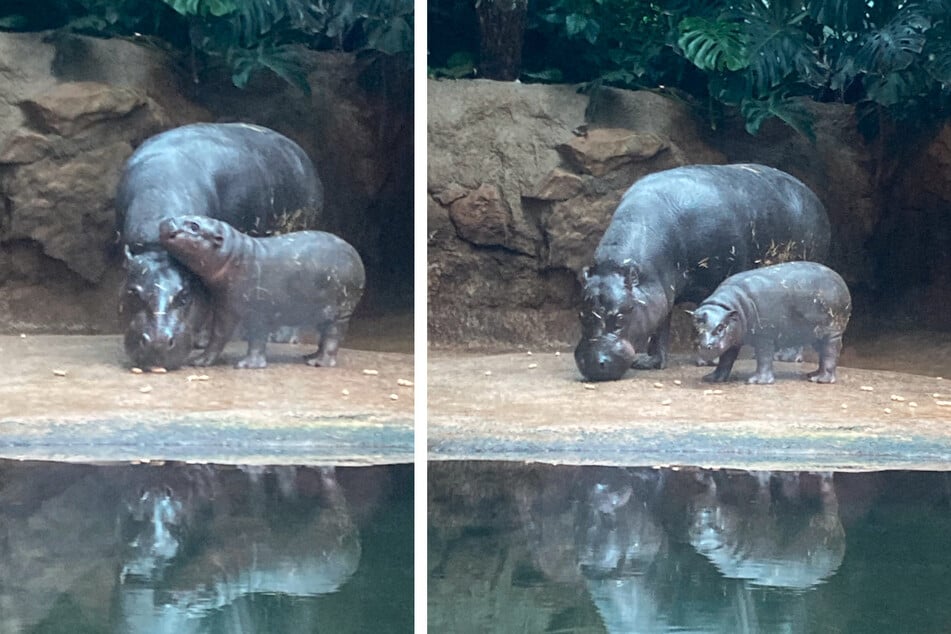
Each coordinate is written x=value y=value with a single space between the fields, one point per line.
x=248 y=35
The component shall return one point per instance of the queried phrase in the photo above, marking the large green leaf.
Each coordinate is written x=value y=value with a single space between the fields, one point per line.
x=713 y=44
x=790 y=111
x=897 y=45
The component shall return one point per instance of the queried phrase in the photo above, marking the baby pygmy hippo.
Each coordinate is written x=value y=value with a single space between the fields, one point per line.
x=305 y=278
x=783 y=305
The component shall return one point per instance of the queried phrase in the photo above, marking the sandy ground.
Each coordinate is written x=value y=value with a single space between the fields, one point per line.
x=525 y=406
x=75 y=398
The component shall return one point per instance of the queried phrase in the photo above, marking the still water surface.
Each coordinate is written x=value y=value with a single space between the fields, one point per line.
x=537 y=548
x=187 y=549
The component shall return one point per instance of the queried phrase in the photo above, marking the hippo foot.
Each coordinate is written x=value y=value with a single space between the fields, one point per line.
x=648 y=362
x=285 y=334
x=252 y=362
x=789 y=355
x=320 y=360
x=203 y=360
x=715 y=377
x=761 y=379
x=821 y=377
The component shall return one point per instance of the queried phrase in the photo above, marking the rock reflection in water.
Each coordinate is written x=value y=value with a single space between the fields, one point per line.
x=170 y=548
x=597 y=549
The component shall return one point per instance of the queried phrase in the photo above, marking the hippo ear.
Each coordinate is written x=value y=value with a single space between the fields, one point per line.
x=731 y=316
x=217 y=240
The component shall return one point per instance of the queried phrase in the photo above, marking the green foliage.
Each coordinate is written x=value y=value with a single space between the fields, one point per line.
x=247 y=35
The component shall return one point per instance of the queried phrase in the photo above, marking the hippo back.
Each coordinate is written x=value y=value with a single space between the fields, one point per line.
x=691 y=227
x=252 y=177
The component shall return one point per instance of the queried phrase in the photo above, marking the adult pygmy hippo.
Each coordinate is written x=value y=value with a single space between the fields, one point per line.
x=677 y=234
x=304 y=278
x=782 y=305
x=252 y=177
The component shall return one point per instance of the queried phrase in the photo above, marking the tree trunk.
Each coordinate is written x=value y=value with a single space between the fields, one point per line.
x=501 y=30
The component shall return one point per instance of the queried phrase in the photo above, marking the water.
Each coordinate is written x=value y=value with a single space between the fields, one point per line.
x=205 y=549
x=537 y=548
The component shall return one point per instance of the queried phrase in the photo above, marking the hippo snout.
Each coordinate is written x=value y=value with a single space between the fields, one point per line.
x=604 y=358
x=165 y=347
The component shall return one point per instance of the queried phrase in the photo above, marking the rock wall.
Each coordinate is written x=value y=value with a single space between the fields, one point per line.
x=72 y=110
x=523 y=181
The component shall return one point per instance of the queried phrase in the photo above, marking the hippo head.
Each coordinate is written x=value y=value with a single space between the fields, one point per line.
x=161 y=308
x=718 y=329
x=616 y=310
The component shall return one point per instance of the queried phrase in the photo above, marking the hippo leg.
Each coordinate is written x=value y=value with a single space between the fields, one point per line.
x=764 y=350
x=790 y=355
x=222 y=328
x=724 y=366
x=656 y=357
x=828 y=350
x=286 y=334
x=255 y=359
x=331 y=334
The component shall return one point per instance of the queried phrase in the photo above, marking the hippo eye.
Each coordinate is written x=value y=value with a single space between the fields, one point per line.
x=192 y=226
x=181 y=299
x=719 y=329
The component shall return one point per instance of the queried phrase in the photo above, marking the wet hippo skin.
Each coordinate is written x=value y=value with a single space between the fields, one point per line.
x=674 y=237
x=788 y=304
x=304 y=278
x=252 y=177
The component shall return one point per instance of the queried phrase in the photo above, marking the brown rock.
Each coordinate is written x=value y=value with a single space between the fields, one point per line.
x=482 y=217
x=74 y=106
x=25 y=146
x=558 y=184
x=449 y=194
x=65 y=205
x=603 y=150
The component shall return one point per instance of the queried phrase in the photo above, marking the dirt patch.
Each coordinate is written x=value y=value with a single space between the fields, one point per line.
x=72 y=393
x=536 y=407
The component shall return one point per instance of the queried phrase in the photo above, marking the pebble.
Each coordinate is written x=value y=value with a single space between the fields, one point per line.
x=666 y=401
x=557 y=353
x=136 y=370
x=532 y=366
x=912 y=404
x=197 y=377
x=659 y=385
x=844 y=406
x=887 y=410
x=708 y=392
x=22 y=335
x=394 y=397
x=404 y=383
x=59 y=372
x=345 y=392
x=677 y=382
x=897 y=399
x=528 y=352
x=943 y=403
x=944 y=397
x=371 y=372
x=145 y=389
x=867 y=388
x=589 y=386
x=158 y=370
x=488 y=372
